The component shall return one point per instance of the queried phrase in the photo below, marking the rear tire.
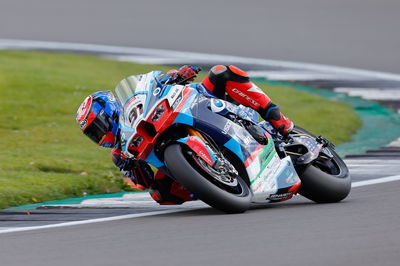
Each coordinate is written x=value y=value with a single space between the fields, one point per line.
x=321 y=186
x=186 y=174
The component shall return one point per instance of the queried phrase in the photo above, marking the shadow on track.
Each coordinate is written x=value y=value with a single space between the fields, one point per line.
x=270 y=207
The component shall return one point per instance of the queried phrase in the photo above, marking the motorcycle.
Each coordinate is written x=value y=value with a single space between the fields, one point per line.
x=220 y=152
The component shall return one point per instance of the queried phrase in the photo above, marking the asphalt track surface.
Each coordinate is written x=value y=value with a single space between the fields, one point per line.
x=350 y=33
x=359 y=231
x=362 y=230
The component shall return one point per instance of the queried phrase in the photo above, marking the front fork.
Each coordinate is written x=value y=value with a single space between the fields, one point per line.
x=207 y=151
x=193 y=132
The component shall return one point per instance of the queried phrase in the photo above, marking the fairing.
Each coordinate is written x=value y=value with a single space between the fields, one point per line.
x=271 y=179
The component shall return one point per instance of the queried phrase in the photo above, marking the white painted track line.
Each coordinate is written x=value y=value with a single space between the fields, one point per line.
x=372 y=93
x=303 y=75
x=131 y=216
x=375 y=181
x=98 y=220
x=187 y=56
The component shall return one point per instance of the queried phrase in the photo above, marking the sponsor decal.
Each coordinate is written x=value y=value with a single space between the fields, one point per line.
x=131 y=100
x=246 y=97
x=199 y=147
x=291 y=177
x=107 y=145
x=217 y=105
x=132 y=115
x=123 y=139
x=83 y=124
x=227 y=127
x=206 y=157
x=247 y=140
x=156 y=91
x=256 y=89
x=259 y=185
x=111 y=97
x=84 y=109
x=279 y=196
x=177 y=101
x=173 y=94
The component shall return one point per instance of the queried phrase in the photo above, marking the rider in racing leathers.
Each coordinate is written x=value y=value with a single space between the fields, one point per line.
x=98 y=119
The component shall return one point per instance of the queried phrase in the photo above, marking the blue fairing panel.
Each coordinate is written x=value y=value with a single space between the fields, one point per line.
x=184 y=118
x=153 y=160
x=235 y=146
x=224 y=131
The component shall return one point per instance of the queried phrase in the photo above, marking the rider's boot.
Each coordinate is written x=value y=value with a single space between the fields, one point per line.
x=280 y=122
x=167 y=191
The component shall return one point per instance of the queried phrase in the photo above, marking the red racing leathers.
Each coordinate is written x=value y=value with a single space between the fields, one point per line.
x=231 y=83
x=226 y=82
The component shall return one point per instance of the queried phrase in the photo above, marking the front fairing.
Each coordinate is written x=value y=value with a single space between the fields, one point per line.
x=145 y=90
x=270 y=177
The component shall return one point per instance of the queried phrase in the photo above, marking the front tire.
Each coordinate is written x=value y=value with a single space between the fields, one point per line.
x=187 y=174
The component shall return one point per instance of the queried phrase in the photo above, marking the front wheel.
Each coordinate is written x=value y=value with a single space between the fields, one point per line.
x=233 y=197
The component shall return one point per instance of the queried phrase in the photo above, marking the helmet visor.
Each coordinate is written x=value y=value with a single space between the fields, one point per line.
x=99 y=127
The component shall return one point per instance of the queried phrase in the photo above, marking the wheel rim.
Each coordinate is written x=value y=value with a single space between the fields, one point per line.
x=225 y=181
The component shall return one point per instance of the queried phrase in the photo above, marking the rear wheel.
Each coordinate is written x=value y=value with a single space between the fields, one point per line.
x=224 y=192
x=325 y=181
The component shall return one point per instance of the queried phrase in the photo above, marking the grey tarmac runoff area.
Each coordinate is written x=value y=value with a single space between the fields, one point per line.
x=350 y=33
x=362 y=230
x=359 y=231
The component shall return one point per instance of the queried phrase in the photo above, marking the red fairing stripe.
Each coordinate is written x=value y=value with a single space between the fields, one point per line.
x=199 y=148
x=293 y=189
x=186 y=94
x=162 y=124
x=253 y=155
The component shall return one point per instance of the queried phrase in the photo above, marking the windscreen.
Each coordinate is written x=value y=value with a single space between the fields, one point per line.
x=137 y=95
x=126 y=88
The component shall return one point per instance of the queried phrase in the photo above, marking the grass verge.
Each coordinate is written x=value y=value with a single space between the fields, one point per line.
x=333 y=119
x=44 y=156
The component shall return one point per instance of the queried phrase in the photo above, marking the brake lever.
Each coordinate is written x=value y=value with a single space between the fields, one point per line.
x=185 y=81
x=325 y=143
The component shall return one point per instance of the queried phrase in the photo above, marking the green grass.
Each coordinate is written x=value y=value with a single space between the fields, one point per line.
x=44 y=155
x=334 y=120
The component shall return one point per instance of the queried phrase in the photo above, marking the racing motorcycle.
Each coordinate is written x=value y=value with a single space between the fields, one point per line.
x=220 y=152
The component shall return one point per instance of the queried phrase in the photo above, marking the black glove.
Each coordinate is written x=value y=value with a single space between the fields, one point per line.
x=187 y=74
x=129 y=164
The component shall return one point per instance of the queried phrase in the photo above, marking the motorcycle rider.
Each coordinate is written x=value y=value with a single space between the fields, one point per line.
x=99 y=113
